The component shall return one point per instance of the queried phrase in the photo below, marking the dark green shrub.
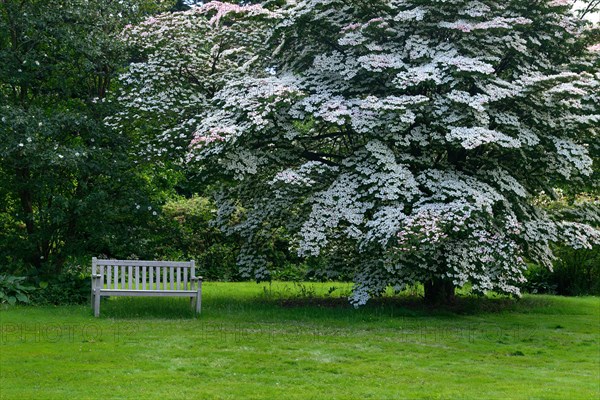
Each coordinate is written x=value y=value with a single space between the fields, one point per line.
x=576 y=273
x=65 y=289
x=291 y=272
x=539 y=280
x=184 y=232
x=218 y=262
x=71 y=286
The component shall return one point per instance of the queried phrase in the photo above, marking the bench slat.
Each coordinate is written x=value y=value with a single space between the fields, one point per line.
x=144 y=278
x=102 y=277
x=122 y=277
x=149 y=293
x=108 y=276
x=126 y=263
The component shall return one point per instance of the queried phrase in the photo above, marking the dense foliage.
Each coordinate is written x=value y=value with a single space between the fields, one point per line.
x=184 y=232
x=68 y=185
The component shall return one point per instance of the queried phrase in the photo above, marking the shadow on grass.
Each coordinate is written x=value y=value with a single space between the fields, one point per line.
x=319 y=306
x=146 y=308
x=463 y=305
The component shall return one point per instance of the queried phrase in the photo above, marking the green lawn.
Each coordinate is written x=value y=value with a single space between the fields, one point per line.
x=288 y=341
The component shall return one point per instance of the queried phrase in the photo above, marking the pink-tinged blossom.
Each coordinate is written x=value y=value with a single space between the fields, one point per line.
x=214 y=135
x=351 y=27
x=462 y=26
x=594 y=48
x=223 y=9
x=375 y=21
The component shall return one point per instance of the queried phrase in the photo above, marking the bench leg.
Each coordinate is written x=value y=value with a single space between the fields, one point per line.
x=198 y=303
x=97 y=304
x=199 y=297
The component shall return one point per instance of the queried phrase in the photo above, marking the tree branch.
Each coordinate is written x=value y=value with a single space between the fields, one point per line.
x=320 y=157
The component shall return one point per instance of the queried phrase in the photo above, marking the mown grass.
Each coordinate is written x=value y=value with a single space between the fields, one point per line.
x=286 y=341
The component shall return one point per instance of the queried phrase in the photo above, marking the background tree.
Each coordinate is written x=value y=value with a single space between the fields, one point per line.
x=67 y=183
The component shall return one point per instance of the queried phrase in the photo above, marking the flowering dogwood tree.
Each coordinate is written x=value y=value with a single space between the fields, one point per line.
x=403 y=141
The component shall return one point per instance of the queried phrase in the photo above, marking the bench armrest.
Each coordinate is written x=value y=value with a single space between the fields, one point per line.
x=196 y=278
x=96 y=276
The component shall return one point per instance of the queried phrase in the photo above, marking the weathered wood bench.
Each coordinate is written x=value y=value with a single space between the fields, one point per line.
x=145 y=278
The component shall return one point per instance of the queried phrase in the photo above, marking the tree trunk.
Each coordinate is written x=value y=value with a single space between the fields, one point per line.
x=26 y=198
x=439 y=292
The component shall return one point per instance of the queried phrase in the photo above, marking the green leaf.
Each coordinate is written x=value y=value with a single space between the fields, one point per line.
x=43 y=284
x=12 y=300
x=22 y=298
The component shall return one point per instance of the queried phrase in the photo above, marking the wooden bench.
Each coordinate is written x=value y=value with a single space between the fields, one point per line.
x=145 y=278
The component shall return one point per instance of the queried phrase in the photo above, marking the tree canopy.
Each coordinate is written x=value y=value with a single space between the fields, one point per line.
x=404 y=141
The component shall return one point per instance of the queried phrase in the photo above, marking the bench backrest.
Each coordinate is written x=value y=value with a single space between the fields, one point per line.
x=145 y=275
